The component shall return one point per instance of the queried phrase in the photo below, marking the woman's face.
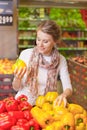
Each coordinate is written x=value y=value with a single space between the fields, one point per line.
x=44 y=42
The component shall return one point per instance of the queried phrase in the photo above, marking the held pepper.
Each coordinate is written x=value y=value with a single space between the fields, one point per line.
x=18 y=64
x=43 y=118
x=68 y=121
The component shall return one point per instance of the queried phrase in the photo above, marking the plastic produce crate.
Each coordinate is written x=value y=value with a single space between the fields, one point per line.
x=6 y=89
x=78 y=74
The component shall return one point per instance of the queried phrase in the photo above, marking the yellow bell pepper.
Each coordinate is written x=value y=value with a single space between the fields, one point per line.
x=59 y=112
x=54 y=126
x=81 y=126
x=80 y=118
x=40 y=101
x=75 y=108
x=49 y=127
x=68 y=121
x=43 y=118
x=57 y=125
x=51 y=96
x=47 y=106
x=86 y=126
x=51 y=112
x=18 y=64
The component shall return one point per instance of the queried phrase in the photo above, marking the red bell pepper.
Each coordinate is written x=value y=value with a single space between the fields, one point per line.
x=22 y=98
x=8 y=98
x=21 y=122
x=2 y=106
x=32 y=125
x=16 y=114
x=27 y=115
x=6 y=121
x=17 y=127
x=12 y=105
x=24 y=106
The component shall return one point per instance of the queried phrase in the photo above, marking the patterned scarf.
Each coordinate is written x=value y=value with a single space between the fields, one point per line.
x=37 y=60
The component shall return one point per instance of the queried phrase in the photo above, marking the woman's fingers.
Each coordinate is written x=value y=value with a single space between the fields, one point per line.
x=58 y=101
x=19 y=73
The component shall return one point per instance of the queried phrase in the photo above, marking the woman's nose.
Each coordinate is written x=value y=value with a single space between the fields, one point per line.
x=41 y=43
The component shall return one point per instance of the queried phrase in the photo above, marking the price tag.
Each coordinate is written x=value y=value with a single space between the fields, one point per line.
x=6 y=12
x=6 y=19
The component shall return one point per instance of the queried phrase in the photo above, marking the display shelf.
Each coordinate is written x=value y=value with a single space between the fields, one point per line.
x=74 y=38
x=26 y=38
x=65 y=49
x=26 y=29
x=64 y=39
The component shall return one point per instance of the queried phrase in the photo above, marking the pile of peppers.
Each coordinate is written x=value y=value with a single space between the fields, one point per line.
x=50 y=117
x=15 y=114
x=18 y=114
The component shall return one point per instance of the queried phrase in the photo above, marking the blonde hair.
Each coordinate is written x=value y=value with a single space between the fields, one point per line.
x=50 y=27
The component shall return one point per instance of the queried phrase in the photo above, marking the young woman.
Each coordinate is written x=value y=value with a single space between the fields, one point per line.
x=44 y=64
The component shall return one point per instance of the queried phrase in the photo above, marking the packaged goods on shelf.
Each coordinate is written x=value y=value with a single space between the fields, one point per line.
x=6 y=86
x=6 y=77
x=78 y=73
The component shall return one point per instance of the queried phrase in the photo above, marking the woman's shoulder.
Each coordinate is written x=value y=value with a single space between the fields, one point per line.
x=25 y=55
x=26 y=51
x=62 y=58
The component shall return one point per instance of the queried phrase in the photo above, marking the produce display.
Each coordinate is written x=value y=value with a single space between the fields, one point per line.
x=80 y=59
x=6 y=66
x=70 y=18
x=18 y=114
x=15 y=114
x=65 y=20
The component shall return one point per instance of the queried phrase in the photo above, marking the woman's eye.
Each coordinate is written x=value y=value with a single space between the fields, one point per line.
x=45 y=41
x=38 y=39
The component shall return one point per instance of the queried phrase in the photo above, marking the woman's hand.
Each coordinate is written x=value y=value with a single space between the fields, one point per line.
x=19 y=73
x=61 y=98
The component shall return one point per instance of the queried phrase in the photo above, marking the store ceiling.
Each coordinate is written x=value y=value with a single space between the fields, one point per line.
x=54 y=3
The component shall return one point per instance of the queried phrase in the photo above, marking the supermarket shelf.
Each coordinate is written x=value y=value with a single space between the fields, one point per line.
x=65 y=49
x=27 y=29
x=75 y=39
x=26 y=38
x=63 y=29
x=55 y=3
x=71 y=39
x=73 y=49
x=74 y=29
x=26 y=46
